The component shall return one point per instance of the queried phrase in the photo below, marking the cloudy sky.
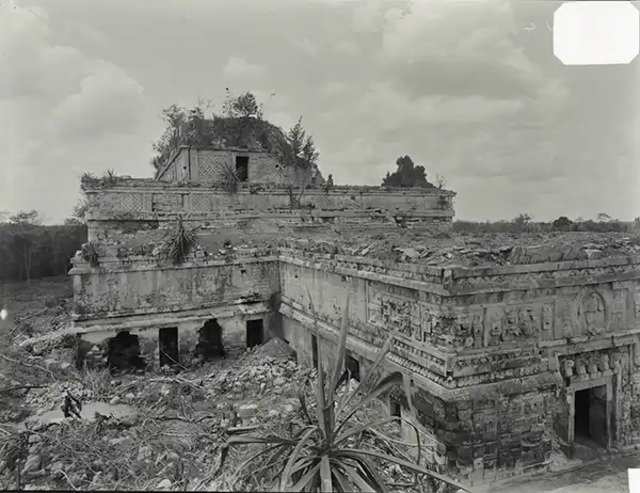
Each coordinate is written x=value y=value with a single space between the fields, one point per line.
x=471 y=89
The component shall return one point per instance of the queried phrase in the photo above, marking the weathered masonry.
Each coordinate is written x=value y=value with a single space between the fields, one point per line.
x=500 y=357
x=220 y=296
x=211 y=165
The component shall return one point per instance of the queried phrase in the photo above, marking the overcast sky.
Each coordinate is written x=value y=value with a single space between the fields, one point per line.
x=470 y=89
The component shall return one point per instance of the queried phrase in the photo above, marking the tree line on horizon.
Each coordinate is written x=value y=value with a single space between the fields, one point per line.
x=31 y=250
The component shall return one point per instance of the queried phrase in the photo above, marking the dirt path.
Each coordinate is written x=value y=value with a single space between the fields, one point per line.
x=605 y=477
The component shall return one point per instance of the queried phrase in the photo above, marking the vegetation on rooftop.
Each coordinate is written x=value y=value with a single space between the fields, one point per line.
x=408 y=175
x=240 y=124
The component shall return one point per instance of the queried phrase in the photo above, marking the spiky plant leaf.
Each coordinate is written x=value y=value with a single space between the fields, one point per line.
x=321 y=455
x=181 y=243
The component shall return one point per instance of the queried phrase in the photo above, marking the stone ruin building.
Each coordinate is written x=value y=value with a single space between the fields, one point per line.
x=527 y=343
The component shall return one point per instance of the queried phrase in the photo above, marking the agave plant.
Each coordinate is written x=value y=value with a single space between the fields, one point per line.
x=181 y=243
x=326 y=452
x=230 y=179
x=90 y=254
x=110 y=178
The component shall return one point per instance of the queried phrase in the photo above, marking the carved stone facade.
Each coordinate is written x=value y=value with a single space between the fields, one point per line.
x=500 y=357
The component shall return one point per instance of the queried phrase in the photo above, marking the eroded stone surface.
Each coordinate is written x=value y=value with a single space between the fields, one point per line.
x=502 y=337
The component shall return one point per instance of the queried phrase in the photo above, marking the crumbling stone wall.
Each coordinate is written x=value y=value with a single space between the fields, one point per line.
x=115 y=210
x=496 y=354
x=94 y=339
x=123 y=288
x=202 y=165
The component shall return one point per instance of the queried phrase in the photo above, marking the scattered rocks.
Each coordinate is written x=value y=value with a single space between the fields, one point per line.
x=164 y=484
x=57 y=468
x=144 y=453
x=32 y=464
x=34 y=438
x=247 y=411
x=114 y=401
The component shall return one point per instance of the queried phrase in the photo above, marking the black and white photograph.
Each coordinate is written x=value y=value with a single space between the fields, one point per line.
x=320 y=246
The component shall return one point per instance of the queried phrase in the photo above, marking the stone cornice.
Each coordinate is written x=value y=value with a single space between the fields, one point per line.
x=127 y=185
x=169 y=318
x=439 y=280
x=273 y=213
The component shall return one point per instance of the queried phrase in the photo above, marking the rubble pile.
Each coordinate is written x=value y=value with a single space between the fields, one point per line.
x=479 y=250
x=174 y=414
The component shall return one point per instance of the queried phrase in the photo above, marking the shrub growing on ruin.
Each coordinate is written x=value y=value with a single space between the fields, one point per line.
x=230 y=179
x=181 y=243
x=240 y=124
x=407 y=175
x=90 y=254
x=329 y=449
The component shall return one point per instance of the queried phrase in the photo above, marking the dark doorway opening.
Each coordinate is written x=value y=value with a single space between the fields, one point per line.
x=168 y=338
x=590 y=418
x=314 y=351
x=210 y=341
x=242 y=167
x=255 y=333
x=395 y=408
x=353 y=365
x=124 y=352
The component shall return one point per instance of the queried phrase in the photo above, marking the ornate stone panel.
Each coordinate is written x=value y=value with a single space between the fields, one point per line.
x=509 y=323
x=591 y=364
x=593 y=316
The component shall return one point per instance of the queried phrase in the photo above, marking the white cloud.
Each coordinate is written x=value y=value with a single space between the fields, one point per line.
x=240 y=68
x=105 y=99
x=54 y=101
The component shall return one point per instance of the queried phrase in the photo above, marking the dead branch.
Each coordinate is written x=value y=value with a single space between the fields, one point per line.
x=18 y=321
x=19 y=387
x=29 y=365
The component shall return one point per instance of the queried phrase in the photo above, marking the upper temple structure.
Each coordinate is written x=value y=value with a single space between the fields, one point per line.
x=505 y=341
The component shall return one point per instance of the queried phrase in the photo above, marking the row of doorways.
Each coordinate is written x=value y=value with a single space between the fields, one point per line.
x=210 y=344
x=124 y=348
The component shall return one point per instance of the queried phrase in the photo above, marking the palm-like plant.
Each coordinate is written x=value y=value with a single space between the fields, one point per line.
x=181 y=243
x=325 y=452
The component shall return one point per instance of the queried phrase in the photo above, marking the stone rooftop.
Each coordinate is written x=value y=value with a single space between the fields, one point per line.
x=414 y=247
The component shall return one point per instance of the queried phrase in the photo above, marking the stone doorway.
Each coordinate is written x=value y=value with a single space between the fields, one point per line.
x=353 y=365
x=314 y=350
x=124 y=352
x=242 y=168
x=255 y=333
x=210 y=341
x=590 y=418
x=168 y=344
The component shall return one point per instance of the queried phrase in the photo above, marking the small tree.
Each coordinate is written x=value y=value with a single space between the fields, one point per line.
x=603 y=217
x=296 y=137
x=407 y=175
x=243 y=106
x=309 y=152
x=522 y=222
x=440 y=181
x=563 y=223
x=175 y=117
